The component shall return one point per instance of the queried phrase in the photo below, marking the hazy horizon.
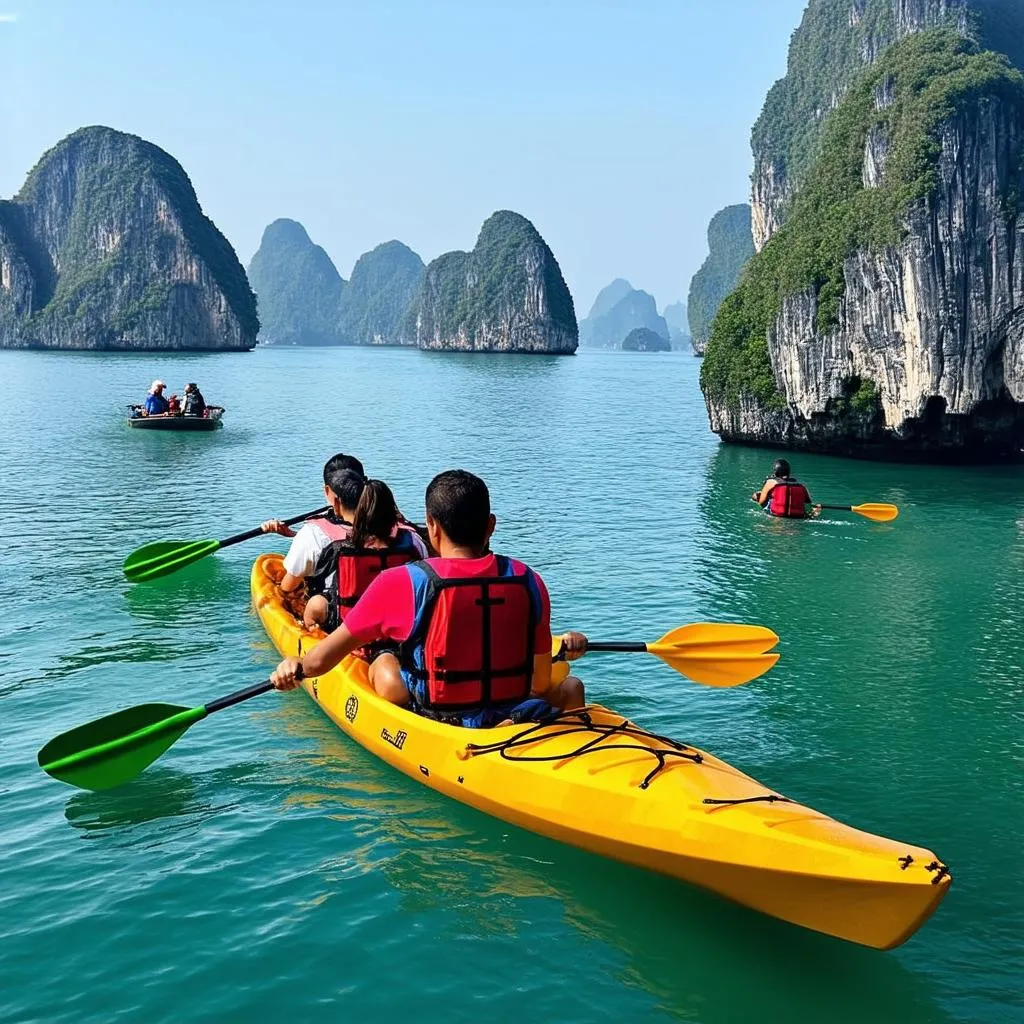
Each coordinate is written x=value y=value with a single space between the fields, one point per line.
x=617 y=129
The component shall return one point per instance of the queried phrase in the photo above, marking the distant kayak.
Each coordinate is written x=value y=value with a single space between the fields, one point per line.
x=210 y=421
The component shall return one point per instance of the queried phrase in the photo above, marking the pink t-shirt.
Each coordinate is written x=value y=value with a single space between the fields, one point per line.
x=388 y=608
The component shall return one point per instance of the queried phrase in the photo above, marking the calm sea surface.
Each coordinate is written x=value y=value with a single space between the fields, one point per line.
x=268 y=868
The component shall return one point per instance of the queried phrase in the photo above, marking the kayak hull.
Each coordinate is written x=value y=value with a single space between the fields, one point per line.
x=637 y=798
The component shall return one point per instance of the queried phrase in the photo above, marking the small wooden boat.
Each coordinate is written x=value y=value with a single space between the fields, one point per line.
x=211 y=420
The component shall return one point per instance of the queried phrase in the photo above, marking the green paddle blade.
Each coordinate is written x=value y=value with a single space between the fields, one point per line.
x=116 y=748
x=166 y=556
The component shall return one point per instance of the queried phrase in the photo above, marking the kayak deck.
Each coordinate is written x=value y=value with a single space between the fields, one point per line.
x=598 y=781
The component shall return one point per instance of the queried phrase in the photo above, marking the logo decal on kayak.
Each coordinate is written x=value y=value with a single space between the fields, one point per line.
x=351 y=708
x=398 y=740
x=316 y=692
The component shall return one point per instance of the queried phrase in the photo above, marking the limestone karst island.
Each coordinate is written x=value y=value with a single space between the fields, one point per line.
x=512 y=512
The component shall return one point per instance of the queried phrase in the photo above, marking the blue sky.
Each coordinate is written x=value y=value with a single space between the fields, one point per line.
x=617 y=128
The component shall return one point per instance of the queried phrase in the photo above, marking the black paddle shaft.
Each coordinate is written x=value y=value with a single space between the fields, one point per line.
x=250 y=534
x=838 y=508
x=624 y=646
x=239 y=695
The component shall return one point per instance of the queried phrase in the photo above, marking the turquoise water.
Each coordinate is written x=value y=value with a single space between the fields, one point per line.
x=267 y=866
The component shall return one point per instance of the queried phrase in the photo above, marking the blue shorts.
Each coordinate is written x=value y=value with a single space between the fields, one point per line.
x=533 y=709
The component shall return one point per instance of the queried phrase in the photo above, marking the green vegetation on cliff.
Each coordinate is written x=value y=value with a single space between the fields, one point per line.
x=508 y=294
x=298 y=287
x=117 y=253
x=925 y=80
x=835 y=40
x=730 y=245
x=383 y=283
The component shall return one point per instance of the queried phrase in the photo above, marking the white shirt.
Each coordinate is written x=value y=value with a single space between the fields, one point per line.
x=310 y=542
x=305 y=550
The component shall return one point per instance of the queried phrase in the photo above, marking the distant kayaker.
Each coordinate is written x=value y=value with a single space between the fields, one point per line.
x=783 y=496
x=474 y=627
x=156 y=404
x=195 y=404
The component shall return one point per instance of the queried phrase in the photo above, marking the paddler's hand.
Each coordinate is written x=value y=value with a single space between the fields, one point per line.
x=277 y=526
x=756 y=496
x=574 y=645
x=287 y=675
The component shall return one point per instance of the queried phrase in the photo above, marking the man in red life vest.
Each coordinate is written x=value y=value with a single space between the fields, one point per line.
x=473 y=627
x=783 y=496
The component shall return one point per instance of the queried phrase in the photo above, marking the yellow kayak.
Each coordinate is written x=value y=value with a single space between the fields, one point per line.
x=596 y=780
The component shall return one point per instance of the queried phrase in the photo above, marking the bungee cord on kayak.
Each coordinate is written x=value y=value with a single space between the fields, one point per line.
x=580 y=721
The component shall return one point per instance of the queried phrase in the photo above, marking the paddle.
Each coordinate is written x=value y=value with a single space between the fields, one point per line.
x=877 y=512
x=709 y=653
x=114 y=749
x=166 y=556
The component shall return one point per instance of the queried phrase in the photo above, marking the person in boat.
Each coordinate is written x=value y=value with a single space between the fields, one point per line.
x=195 y=404
x=378 y=539
x=315 y=535
x=173 y=406
x=473 y=627
x=155 y=404
x=783 y=496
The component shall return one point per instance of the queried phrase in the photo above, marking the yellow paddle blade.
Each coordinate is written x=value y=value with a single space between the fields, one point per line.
x=721 y=637
x=715 y=669
x=876 y=511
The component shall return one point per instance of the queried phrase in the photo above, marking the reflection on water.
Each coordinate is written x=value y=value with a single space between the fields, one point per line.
x=159 y=794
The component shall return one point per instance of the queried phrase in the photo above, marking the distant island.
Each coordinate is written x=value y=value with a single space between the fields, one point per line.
x=618 y=308
x=730 y=246
x=676 y=316
x=106 y=248
x=506 y=295
x=643 y=339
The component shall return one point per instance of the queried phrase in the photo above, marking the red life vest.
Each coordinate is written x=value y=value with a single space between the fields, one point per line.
x=473 y=638
x=789 y=499
x=358 y=567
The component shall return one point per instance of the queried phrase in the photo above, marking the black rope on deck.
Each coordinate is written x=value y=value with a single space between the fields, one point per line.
x=768 y=798
x=582 y=722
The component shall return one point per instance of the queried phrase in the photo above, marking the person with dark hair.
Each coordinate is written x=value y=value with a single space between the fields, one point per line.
x=473 y=627
x=378 y=539
x=342 y=473
x=194 y=403
x=783 y=496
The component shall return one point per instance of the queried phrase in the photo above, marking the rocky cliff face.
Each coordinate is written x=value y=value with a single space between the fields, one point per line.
x=298 y=288
x=106 y=247
x=836 y=40
x=617 y=311
x=730 y=245
x=383 y=285
x=912 y=345
x=507 y=295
